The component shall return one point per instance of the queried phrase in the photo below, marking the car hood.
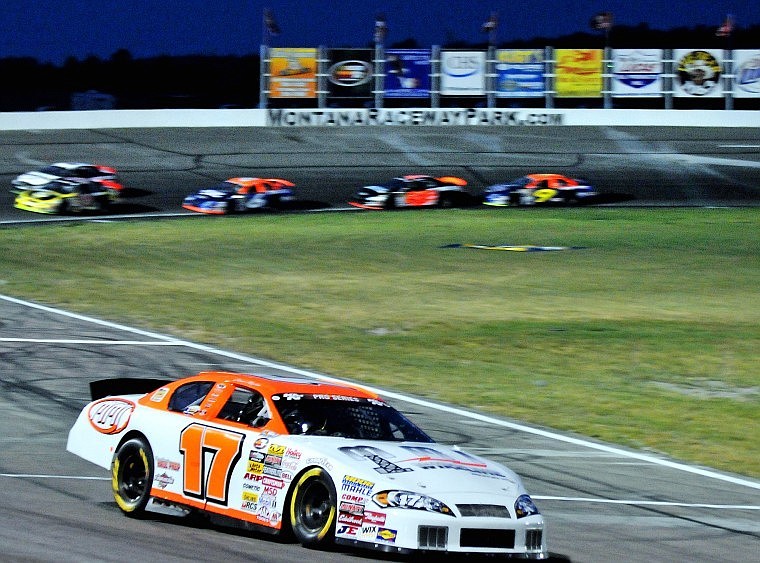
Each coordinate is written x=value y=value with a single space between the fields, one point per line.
x=429 y=467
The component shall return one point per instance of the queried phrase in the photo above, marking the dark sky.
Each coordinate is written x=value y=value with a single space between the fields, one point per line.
x=53 y=30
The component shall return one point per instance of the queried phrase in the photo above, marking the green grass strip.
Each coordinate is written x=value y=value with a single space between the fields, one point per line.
x=648 y=336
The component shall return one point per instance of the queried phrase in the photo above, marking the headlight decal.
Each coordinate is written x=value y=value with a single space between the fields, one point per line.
x=410 y=500
x=524 y=506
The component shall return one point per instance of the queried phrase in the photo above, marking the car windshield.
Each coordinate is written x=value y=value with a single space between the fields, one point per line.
x=226 y=187
x=348 y=417
x=55 y=171
x=396 y=185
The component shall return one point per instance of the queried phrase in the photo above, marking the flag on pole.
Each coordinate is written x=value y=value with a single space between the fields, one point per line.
x=602 y=21
x=381 y=28
x=490 y=25
x=726 y=28
x=270 y=24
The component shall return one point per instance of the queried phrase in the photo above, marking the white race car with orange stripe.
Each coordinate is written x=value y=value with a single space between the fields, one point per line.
x=324 y=462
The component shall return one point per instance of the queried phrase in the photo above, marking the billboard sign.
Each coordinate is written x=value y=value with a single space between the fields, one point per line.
x=350 y=73
x=407 y=73
x=746 y=73
x=637 y=72
x=293 y=73
x=463 y=73
x=698 y=73
x=578 y=73
x=519 y=73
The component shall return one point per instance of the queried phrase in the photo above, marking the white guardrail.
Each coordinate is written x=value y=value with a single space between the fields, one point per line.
x=493 y=117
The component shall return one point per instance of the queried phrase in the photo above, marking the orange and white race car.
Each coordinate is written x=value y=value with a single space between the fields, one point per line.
x=413 y=190
x=325 y=462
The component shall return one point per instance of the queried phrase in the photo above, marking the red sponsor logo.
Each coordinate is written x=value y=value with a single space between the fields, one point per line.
x=374 y=518
x=351 y=519
x=110 y=416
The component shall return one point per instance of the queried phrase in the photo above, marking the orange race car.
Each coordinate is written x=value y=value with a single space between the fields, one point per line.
x=413 y=190
x=327 y=462
x=241 y=194
x=537 y=189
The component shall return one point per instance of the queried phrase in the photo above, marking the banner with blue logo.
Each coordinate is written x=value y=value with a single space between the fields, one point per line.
x=407 y=73
x=463 y=73
x=746 y=73
x=519 y=73
x=637 y=72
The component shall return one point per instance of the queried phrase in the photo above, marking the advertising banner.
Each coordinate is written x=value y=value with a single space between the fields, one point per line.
x=578 y=73
x=350 y=73
x=746 y=73
x=407 y=73
x=519 y=73
x=463 y=73
x=637 y=72
x=697 y=73
x=293 y=73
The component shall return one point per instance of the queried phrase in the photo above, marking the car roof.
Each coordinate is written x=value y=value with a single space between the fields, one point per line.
x=274 y=384
x=545 y=176
x=71 y=165
x=415 y=177
x=244 y=181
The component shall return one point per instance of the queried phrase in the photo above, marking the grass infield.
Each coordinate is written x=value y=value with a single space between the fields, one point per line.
x=648 y=335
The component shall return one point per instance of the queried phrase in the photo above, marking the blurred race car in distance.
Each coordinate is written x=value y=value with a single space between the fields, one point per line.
x=68 y=195
x=241 y=194
x=324 y=462
x=413 y=190
x=43 y=176
x=537 y=189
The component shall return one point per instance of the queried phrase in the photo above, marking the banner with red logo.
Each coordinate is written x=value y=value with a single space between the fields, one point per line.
x=637 y=72
x=578 y=73
x=350 y=73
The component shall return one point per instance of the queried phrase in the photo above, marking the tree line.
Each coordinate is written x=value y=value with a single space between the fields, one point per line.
x=204 y=81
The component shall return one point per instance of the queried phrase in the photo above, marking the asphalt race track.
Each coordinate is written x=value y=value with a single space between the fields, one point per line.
x=600 y=502
x=675 y=166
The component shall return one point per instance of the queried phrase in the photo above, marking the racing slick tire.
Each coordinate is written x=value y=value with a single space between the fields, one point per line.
x=447 y=201
x=132 y=476
x=313 y=509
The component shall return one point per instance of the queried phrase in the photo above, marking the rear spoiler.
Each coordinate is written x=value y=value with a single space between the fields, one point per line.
x=124 y=386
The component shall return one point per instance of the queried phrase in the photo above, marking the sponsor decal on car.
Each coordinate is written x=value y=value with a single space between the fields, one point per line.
x=356 y=485
x=163 y=480
x=386 y=534
x=110 y=416
x=168 y=464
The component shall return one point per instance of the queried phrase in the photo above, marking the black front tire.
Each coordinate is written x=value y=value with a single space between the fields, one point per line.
x=313 y=509
x=132 y=476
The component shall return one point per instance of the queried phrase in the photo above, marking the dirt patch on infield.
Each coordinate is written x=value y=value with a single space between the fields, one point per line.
x=709 y=389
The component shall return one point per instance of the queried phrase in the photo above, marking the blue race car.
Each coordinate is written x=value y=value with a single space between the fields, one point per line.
x=539 y=189
x=238 y=195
